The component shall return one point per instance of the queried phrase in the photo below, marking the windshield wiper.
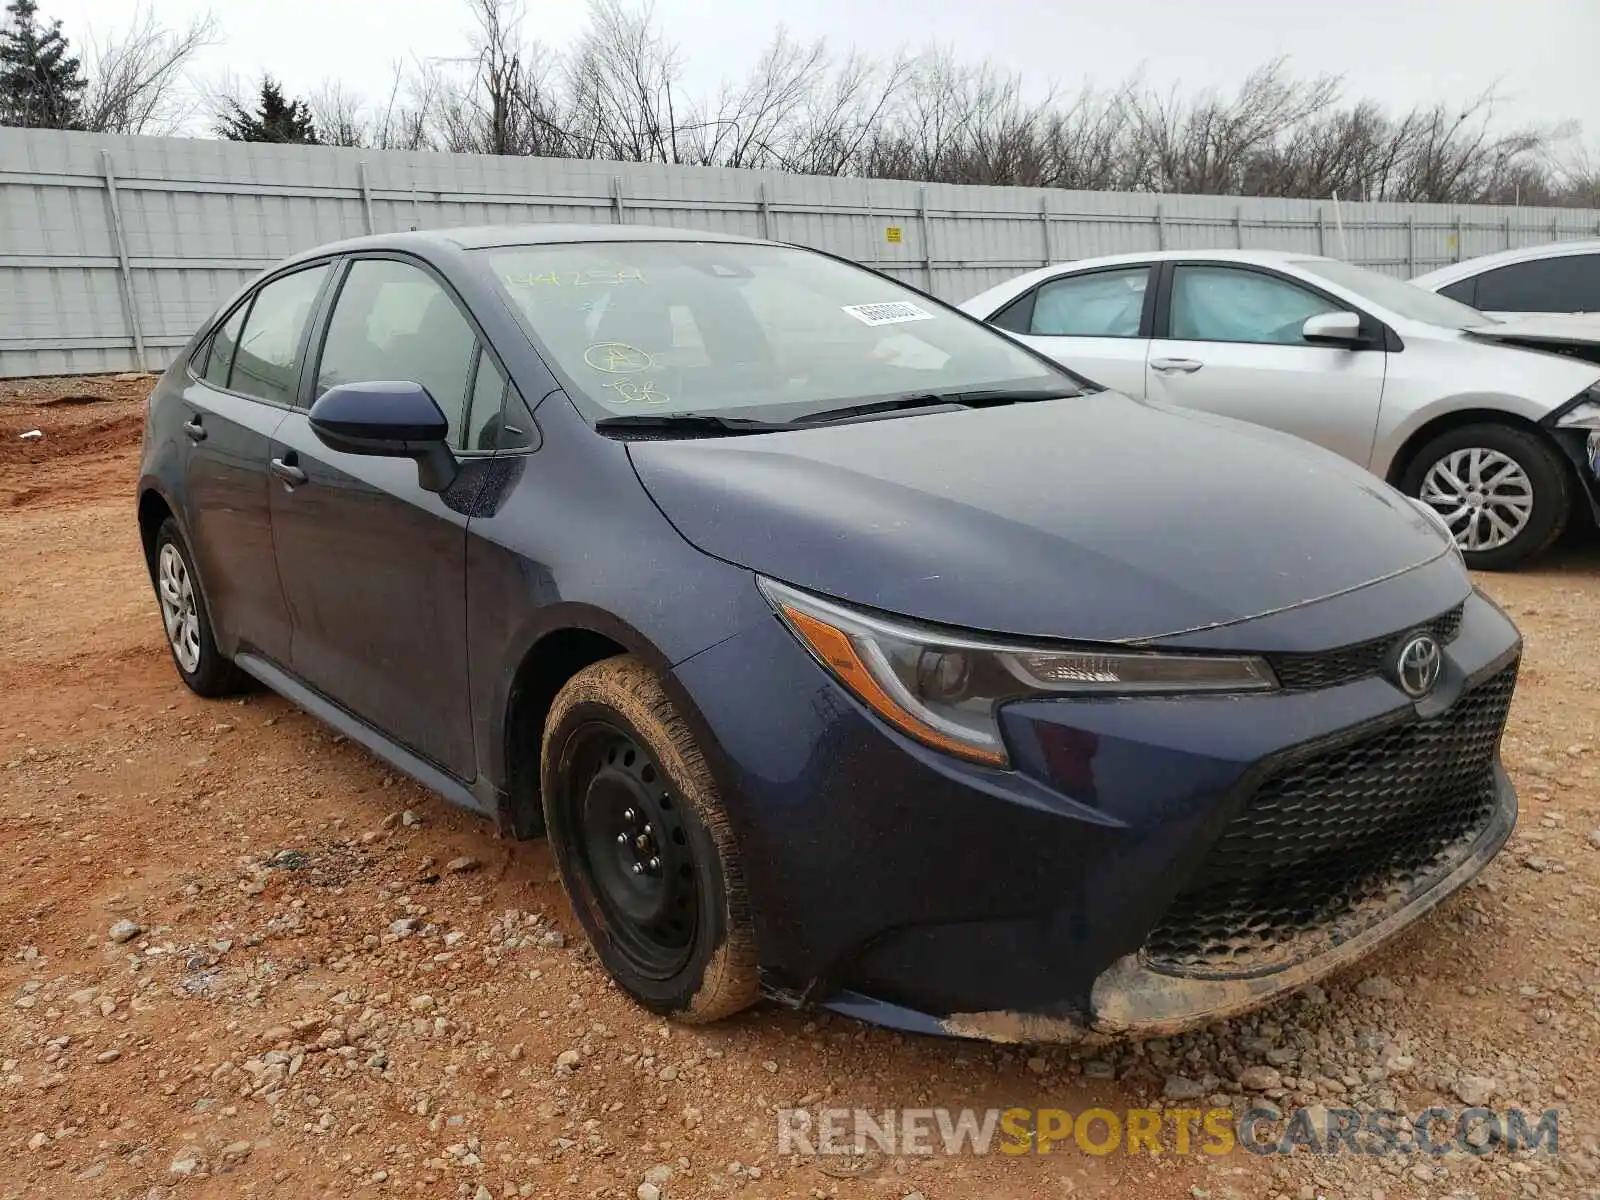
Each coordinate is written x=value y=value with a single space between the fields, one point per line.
x=980 y=398
x=705 y=424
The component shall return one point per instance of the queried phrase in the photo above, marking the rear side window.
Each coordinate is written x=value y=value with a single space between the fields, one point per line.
x=395 y=321
x=223 y=344
x=1100 y=304
x=267 y=363
x=1463 y=291
x=1553 y=285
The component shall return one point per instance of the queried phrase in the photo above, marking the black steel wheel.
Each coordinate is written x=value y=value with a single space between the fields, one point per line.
x=632 y=848
x=644 y=846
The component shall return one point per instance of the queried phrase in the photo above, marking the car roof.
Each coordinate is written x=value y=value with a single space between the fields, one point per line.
x=1273 y=257
x=1476 y=266
x=480 y=237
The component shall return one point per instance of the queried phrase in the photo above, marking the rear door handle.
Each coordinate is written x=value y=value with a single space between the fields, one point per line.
x=1183 y=366
x=291 y=475
x=195 y=430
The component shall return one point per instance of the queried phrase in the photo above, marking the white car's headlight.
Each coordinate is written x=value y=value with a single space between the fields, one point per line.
x=944 y=689
x=1584 y=415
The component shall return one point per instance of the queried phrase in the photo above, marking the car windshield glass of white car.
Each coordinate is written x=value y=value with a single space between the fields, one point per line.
x=667 y=328
x=1399 y=297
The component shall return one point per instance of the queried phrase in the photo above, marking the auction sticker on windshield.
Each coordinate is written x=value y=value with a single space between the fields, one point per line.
x=892 y=312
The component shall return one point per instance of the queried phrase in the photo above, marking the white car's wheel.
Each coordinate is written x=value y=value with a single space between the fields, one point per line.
x=1503 y=492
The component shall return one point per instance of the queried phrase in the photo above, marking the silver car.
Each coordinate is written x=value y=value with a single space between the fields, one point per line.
x=1496 y=425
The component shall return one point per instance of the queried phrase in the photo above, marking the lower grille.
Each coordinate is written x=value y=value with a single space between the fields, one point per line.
x=1334 y=843
x=1328 y=668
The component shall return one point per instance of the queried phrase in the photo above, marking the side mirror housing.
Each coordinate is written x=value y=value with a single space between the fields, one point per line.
x=1333 y=329
x=389 y=419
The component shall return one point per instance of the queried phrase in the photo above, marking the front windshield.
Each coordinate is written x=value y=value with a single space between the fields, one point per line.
x=754 y=331
x=1399 y=297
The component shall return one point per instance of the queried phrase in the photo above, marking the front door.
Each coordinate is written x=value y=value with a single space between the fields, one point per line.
x=1092 y=323
x=373 y=566
x=1234 y=348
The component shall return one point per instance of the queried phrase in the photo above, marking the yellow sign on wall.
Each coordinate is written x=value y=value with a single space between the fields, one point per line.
x=892 y=234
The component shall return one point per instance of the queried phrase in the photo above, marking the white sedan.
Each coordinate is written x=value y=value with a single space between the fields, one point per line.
x=1494 y=424
x=1560 y=277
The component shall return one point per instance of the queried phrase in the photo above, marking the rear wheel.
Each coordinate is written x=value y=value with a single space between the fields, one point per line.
x=1503 y=492
x=644 y=846
x=187 y=621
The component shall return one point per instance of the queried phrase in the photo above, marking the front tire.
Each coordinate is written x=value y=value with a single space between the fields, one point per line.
x=187 y=620
x=1504 y=492
x=644 y=846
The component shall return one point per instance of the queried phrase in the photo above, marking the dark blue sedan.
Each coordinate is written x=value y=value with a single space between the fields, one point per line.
x=846 y=651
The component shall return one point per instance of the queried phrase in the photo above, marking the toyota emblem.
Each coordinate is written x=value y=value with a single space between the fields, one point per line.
x=1416 y=666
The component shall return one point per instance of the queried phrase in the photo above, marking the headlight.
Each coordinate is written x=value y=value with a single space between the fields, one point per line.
x=1584 y=415
x=1438 y=522
x=944 y=688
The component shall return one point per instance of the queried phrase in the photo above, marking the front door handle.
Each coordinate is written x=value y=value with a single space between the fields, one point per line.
x=291 y=475
x=1182 y=366
x=195 y=430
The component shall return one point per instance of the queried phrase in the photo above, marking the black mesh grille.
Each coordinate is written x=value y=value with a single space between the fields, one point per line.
x=1335 y=842
x=1326 y=668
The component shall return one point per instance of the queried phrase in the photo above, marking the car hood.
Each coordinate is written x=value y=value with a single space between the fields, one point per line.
x=1097 y=517
x=1577 y=335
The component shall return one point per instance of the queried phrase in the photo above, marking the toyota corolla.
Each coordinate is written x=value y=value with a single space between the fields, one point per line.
x=847 y=651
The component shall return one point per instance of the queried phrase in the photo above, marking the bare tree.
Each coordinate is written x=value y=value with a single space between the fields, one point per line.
x=405 y=119
x=340 y=115
x=624 y=84
x=137 y=78
x=619 y=94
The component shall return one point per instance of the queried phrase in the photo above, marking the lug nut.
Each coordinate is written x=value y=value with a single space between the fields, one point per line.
x=638 y=869
x=622 y=839
x=655 y=864
x=629 y=815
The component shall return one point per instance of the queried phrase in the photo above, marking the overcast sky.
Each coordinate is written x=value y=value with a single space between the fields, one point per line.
x=1540 y=55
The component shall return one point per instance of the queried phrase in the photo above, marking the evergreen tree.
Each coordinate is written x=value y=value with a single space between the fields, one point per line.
x=41 y=81
x=275 y=119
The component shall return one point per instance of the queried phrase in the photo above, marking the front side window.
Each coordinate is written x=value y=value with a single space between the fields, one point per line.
x=488 y=397
x=1554 y=285
x=709 y=328
x=1101 y=304
x=267 y=363
x=1222 y=304
x=394 y=321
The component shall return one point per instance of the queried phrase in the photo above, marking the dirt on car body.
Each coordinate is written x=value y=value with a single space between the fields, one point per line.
x=241 y=956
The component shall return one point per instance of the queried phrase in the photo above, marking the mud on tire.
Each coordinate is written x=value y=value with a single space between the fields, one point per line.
x=644 y=846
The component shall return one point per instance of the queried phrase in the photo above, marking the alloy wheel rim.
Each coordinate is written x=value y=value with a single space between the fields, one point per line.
x=179 y=612
x=633 y=850
x=1484 y=496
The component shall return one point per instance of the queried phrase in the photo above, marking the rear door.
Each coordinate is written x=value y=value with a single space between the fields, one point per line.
x=1233 y=346
x=374 y=566
x=1096 y=323
x=231 y=411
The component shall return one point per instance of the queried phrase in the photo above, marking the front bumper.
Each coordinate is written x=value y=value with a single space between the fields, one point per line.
x=894 y=883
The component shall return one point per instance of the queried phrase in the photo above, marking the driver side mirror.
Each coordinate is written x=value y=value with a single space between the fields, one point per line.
x=390 y=419
x=1333 y=329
